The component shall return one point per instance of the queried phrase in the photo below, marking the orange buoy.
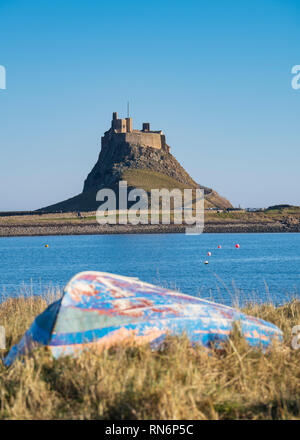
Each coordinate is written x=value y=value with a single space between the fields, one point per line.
x=46 y=245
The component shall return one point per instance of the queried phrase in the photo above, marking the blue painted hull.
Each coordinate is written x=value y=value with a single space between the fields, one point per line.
x=100 y=309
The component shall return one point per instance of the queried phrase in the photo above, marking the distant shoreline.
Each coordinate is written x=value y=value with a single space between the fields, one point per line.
x=85 y=223
x=95 y=229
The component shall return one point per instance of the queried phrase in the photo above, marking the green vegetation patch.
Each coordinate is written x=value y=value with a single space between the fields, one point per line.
x=148 y=180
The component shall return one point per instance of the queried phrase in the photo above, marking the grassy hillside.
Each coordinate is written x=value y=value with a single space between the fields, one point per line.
x=138 y=178
x=177 y=382
x=148 y=180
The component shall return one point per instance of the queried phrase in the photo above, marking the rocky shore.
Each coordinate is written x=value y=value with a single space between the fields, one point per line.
x=94 y=228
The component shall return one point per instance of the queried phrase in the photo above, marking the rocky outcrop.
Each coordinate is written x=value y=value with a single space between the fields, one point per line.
x=118 y=157
x=115 y=158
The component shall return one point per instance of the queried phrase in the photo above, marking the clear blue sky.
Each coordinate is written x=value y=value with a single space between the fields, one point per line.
x=214 y=75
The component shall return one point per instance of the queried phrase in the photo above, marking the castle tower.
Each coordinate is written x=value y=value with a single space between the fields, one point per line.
x=119 y=125
x=146 y=126
x=129 y=125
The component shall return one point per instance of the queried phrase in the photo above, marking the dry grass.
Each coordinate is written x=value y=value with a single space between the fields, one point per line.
x=177 y=382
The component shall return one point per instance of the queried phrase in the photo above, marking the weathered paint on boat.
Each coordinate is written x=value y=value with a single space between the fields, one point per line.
x=99 y=309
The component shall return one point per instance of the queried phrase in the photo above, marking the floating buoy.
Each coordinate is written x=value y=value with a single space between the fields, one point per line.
x=209 y=254
x=237 y=246
x=46 y=245
x=219 y=247
x=206 y=262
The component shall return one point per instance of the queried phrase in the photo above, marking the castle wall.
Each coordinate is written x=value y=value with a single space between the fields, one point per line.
x=144 y=139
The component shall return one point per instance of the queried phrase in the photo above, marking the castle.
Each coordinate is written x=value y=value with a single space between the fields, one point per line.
x=121 y=131
x=142 y=158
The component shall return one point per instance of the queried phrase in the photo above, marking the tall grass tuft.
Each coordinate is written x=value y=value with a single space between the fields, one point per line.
x=178 y=381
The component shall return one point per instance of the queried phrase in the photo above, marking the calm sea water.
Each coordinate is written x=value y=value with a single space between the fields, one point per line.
x=171 y=260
